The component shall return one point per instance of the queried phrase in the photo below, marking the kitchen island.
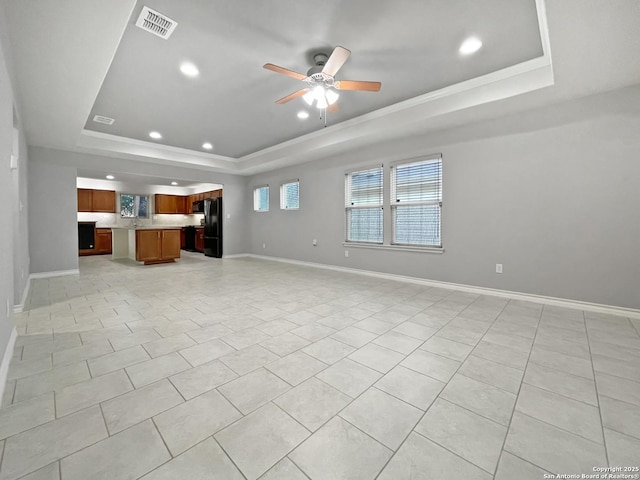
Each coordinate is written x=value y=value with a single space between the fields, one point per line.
x=149 y=245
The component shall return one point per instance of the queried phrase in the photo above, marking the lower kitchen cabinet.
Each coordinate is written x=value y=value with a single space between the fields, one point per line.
x=103 y=241
x=170 y=244
x=200 y=239
x=157 y=246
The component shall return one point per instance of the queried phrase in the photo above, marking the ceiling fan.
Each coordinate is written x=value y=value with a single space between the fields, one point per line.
x=320 y=79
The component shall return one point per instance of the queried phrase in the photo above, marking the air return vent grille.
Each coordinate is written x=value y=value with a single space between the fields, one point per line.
x=103 y=119
x=156 y=23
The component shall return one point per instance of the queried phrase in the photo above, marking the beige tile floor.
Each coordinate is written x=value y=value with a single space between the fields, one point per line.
x=246 y=369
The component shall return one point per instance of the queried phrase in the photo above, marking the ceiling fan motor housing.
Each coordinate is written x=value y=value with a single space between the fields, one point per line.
x=315 y=72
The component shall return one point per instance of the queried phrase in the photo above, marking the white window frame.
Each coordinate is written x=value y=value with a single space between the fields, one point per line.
x=394 y=202
x=283 y=195
x=349 y=207
x=256 y=198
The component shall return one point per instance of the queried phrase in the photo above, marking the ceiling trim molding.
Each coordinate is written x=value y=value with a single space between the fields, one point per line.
x=109 y=143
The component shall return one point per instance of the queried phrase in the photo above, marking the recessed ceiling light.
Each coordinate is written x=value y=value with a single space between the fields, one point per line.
x=470 y=45
x=174 y=183
x=110 y=177
x=189 y=69
x=302 y=114
x=155 y=135
x=207 y=146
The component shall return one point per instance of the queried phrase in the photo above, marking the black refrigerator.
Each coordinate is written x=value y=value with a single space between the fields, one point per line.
x=213 y=227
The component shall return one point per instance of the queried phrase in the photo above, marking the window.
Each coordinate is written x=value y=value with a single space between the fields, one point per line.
x=290 y=195
x=134 y=206
x=416 y=202
x=363 y=203
x=261 y=199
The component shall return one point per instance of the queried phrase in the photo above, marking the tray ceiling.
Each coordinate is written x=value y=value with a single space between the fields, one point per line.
x=411 y=46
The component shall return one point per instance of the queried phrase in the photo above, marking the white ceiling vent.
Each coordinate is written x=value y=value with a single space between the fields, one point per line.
x=103 y=119
x=156 y=23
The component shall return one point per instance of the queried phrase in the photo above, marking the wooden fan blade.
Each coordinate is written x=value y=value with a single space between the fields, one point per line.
x=288 y=98
x=336 y=60
x=356 y=85
x=333 y=108
x=284 y=71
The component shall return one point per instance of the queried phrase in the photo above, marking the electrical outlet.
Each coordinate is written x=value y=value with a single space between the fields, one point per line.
x=315 y=242
x=498 y=268
x=8 y=309
x=346 y=253
x=264 y=245
x=228 y=216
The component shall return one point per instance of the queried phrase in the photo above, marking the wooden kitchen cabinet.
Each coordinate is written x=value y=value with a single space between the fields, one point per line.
x=171 y=204
x=85 y=200
x=165 y=203
x=148 y=246
x=103 y=201
x=157 y=246
x=170 y=244
x=103 y=241
x=182 y=205
x=200 y=239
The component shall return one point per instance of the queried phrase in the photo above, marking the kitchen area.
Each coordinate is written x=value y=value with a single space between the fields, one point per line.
x=147 y=227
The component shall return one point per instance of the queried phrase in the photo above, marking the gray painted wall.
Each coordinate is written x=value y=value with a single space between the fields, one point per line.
x=62 y=165
x=14 y=256
x=20 y=208
x=553 y=195
x=53 y=230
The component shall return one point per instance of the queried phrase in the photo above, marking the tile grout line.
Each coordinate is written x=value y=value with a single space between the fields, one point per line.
x=153 y=422
x=227 y=453
x=595 y=383
x=560 y=394
x=515 y=403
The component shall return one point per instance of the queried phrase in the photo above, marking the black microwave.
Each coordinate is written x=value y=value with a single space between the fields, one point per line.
x=198 y=207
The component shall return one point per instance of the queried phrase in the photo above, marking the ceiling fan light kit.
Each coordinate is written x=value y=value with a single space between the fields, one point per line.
x=322 y=96
x=321 y=83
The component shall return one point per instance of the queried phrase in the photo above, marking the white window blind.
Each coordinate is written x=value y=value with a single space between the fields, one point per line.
x=261 y=199
x=363 y=204
x=290 y=195
x=416 y=202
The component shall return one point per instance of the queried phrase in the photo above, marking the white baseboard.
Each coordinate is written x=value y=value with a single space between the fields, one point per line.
x=528 y=297
x=25 y=293
x=6 y=360
x=57 y=273
x=237 y=255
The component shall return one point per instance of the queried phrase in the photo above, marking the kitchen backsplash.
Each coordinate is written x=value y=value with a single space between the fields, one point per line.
x=105 y=220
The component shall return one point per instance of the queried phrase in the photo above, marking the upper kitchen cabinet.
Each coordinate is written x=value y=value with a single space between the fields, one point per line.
x=103 y=201
x=171 y=204
x=182 y=204
x=85 y=200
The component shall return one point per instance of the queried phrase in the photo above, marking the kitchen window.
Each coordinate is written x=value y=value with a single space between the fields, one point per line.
x=363 y=205
x=134 y=206
x=261 y=198
x=416 y=202
x=290 y=195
